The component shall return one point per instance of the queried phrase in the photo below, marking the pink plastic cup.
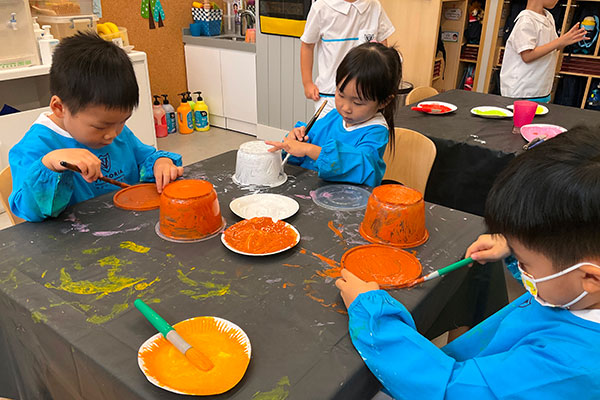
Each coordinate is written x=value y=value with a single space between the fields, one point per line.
x=523 y=113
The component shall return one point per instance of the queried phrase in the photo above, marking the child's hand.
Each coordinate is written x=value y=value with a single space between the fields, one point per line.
x=488 y=248
x=351 y=286
x=87 y=162
x=311 y=91
x=295 y=148
x=164 y=172
x=298 y=134
x=574 y=35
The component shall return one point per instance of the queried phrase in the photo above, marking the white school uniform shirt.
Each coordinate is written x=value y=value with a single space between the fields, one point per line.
x=522 y=80
x=336 y=26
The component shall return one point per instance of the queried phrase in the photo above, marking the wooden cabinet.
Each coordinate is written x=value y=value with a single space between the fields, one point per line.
x=227 y=80
x=418 y=24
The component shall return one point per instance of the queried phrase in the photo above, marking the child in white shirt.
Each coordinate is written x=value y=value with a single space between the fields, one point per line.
x=530 y=58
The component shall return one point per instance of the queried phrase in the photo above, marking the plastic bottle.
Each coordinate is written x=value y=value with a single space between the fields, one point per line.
x=192 y=104
x=160 y=126
x=170 y=118
x=201 y=120
x=47 y=44
x=39 y=32
x=184 y=115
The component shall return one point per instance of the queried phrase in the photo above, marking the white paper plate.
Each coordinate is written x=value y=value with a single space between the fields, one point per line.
x=531 y=131
x=263 y=254
x=541 y=110
x=482 y=110
x=223 y=326
x=451 y=106
x=271 y=205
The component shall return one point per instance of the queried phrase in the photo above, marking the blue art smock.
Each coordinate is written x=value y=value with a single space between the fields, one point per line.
x=348 y=154
x=524 y=351
x=39 y=193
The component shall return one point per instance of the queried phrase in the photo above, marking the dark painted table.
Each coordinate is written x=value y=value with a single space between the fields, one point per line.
x=471 y=151
x=68 y=328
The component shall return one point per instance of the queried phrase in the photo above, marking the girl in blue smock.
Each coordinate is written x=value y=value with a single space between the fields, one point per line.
x=347 y=145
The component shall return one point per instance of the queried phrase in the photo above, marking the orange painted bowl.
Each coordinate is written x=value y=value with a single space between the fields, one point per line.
x=189 y=211
x=223 y=342
x=260 y=236
x=395 y=216
x=389 y=266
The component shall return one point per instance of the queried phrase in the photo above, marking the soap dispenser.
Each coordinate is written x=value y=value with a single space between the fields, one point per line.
x=47 y=44
x=201 y=114
x=184 y=115
x=160 y=125
x=170 y=115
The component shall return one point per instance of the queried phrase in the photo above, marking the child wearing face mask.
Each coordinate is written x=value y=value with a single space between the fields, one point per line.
x=94 y=91
x=347 y=145
x=544 y=209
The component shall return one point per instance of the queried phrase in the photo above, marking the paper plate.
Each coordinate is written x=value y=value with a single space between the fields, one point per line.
x=341 y=197
x=265 y=232
x=541 y=110
x=491 y=112
x=531 y=131
x=271 y=205
x=142 y=197
x=451 y=106
x=223 y=342
x=390 y=267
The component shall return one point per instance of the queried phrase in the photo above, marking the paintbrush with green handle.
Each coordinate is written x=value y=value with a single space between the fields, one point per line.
x=442 y=271
x=193 y=355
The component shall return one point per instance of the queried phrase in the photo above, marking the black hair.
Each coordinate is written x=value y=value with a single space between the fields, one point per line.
x=88 y=70
x=549 y=198
x=378 y=72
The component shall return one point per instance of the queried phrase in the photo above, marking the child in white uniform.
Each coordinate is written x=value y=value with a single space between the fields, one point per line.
x=530 y=56
x=335 y=27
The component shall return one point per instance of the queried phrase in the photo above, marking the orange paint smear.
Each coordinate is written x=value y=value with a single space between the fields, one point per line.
x=395 y=215
x=224 y=348
x=189 y=209
x=334 y=229
x=260 y=235
x=388 y=266
x=291 y=265
x=333 y=272
x=311 y=294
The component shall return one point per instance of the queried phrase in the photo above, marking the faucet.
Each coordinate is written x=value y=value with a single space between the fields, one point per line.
x=250 y=20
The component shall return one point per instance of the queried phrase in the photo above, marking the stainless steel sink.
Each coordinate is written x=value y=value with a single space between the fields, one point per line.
x=234 y=38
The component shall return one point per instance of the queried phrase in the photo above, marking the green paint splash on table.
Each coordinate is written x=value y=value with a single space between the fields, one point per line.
x=95 y=250
x=12 y=277
x=134 y=247
x=279 y=392
x=38 y=317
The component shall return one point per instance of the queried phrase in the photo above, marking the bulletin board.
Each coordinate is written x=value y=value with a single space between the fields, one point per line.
x=283 y=17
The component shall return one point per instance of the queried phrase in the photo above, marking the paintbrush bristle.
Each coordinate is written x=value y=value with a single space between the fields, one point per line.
x=199 y=360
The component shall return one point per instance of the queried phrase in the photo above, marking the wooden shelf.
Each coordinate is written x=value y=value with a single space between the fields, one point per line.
x=578 y=74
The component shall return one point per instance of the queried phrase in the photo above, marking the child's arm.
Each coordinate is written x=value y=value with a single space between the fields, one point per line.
x=42 y=188
x=574 y=35
x=307 y=51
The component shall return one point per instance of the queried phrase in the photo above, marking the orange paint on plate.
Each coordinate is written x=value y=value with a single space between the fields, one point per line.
x=395 y=215
x=390 y=267
x=225 y=347
x=141 y=197
x=260 y=235
x=189 y=209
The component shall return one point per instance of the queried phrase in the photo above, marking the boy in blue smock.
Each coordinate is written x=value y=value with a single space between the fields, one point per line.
x=94 y=91
x=347 y=145
x=544 y=209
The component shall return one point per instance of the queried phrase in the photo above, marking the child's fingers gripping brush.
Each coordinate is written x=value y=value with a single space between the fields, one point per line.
x=197 y=358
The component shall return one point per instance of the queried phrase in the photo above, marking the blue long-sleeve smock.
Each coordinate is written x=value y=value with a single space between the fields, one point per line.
x=39 y=193
x=348 y=154
x=524 y=351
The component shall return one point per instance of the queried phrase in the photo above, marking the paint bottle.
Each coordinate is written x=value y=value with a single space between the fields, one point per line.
x=184 y=116
x=192 y=104
x=201 y=120
x=160 y=125
x=170 y=115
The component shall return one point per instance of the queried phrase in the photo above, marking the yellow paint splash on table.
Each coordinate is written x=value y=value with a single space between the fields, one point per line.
x=116 y=310
x=38 y=317
x=12 y=277
x=144 y=285
x=134 y=247
x=279 y=392
x=95 y=250
x=44 y=273
x=214 y=289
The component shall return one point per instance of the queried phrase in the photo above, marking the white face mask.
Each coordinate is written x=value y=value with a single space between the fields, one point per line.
x=530 y=284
